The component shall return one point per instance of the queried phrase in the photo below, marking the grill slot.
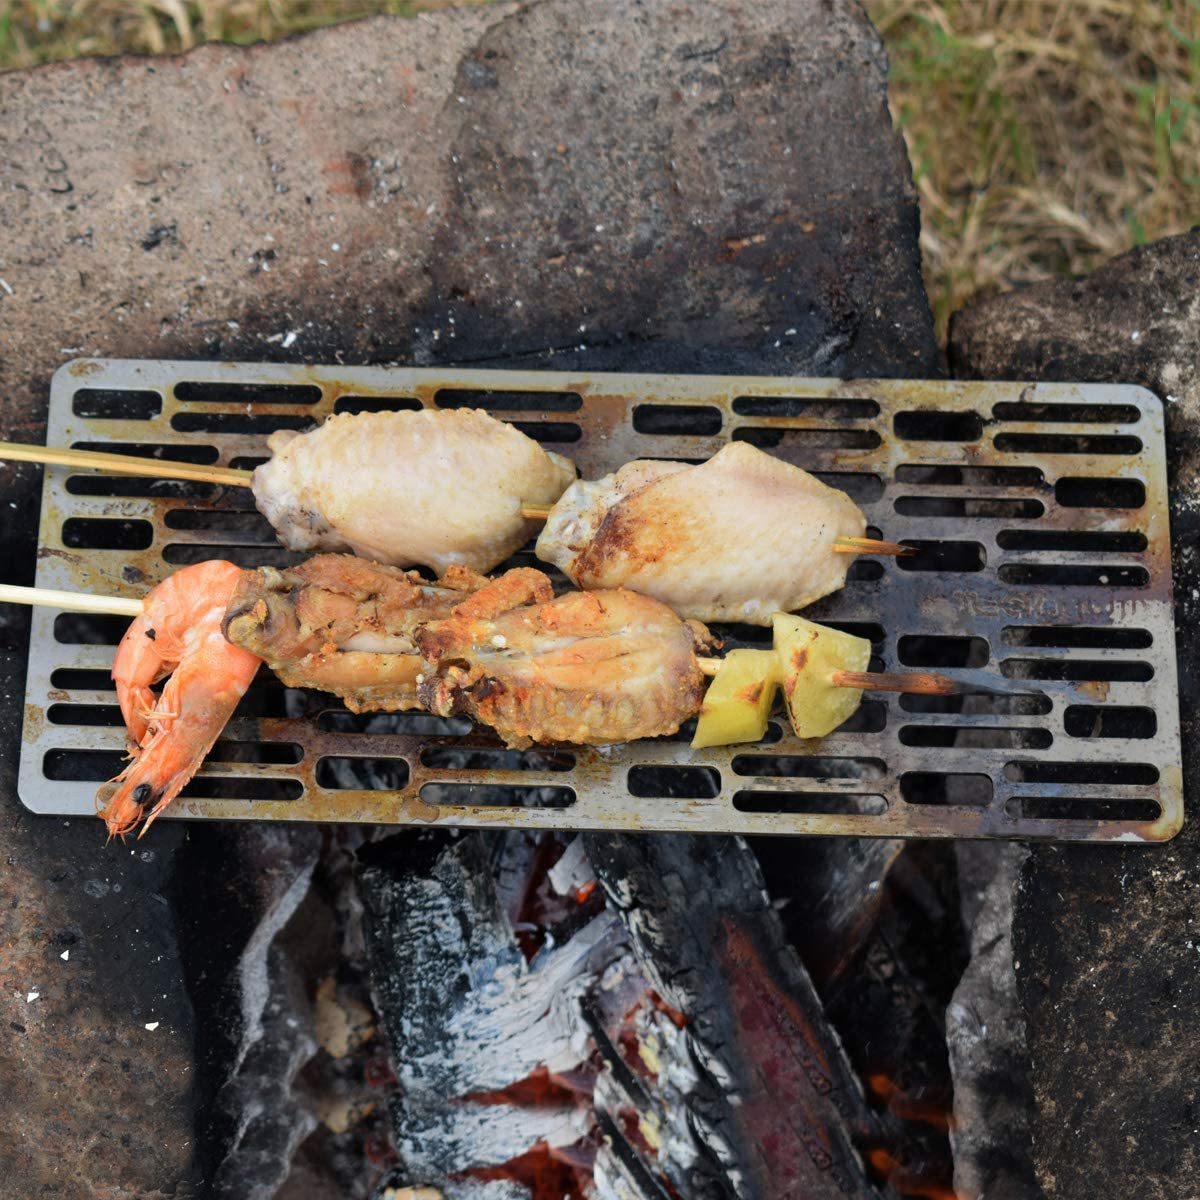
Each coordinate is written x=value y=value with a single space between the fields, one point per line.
x=1038 y=514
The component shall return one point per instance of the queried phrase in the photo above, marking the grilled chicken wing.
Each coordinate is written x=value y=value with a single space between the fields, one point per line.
x=737 y=538
x=343 y=625
x=432 y=488
x=589 y=667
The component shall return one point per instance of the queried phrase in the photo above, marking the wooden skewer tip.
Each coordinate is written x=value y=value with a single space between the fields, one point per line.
x=865 y=545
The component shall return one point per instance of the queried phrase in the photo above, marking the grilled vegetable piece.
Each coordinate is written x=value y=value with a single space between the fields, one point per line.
x=738 y=701
x=809 y=655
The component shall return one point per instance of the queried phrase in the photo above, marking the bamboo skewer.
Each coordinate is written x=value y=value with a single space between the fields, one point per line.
x=117 y=606
x=918 y=683
x=125 y=464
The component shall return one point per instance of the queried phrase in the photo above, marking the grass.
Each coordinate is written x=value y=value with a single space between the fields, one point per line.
x=1045 y=135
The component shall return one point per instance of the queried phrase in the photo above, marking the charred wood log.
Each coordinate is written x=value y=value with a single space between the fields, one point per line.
x=776 y=1104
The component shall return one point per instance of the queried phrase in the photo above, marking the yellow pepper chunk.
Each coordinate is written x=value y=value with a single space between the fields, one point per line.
x=809 y=654
x=738 y=701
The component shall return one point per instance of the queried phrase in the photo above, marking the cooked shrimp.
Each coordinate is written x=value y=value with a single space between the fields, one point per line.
x=178 y=634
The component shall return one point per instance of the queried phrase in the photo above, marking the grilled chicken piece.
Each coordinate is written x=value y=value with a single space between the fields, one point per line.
x=409 y=488
x=737 y=538
x=343 y=625
x=590 y=667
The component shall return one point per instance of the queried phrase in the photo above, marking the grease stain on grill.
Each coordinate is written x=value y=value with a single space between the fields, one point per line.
x=674 y=420
x=115 y=404
x=247 y=393
x=1084 y=491
x=937 y=425
x=819 y=408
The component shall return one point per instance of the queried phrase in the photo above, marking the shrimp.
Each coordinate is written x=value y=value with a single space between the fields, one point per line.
x=178 y=634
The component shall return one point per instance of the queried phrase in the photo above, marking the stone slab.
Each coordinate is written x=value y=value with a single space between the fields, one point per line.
x=663 y=186
x=1106 y=940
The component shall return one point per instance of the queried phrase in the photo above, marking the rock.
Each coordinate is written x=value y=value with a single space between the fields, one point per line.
x=1105 y=938
x=985 y=1037
x=688 y=184
x=671 y=186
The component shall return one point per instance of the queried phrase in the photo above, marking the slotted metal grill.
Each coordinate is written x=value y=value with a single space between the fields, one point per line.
x=1039 y=513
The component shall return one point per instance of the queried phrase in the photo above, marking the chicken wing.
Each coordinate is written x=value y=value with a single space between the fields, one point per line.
x=737 y=538
x=431 y=488
x=343 y=625
x=590 y=667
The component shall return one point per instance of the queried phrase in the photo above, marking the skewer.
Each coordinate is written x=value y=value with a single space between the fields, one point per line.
x=117 y=606
x=919 y=683
x=842 y=545
x=166 y=468
x=125 y=464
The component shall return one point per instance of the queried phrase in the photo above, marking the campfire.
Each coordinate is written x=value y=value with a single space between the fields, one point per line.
x=556 y=1003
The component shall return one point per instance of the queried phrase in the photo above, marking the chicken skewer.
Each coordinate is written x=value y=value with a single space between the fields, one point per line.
x=338 y=487
x=434 y=488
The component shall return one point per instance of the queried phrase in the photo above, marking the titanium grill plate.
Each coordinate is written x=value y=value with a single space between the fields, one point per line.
x=1043 y=567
